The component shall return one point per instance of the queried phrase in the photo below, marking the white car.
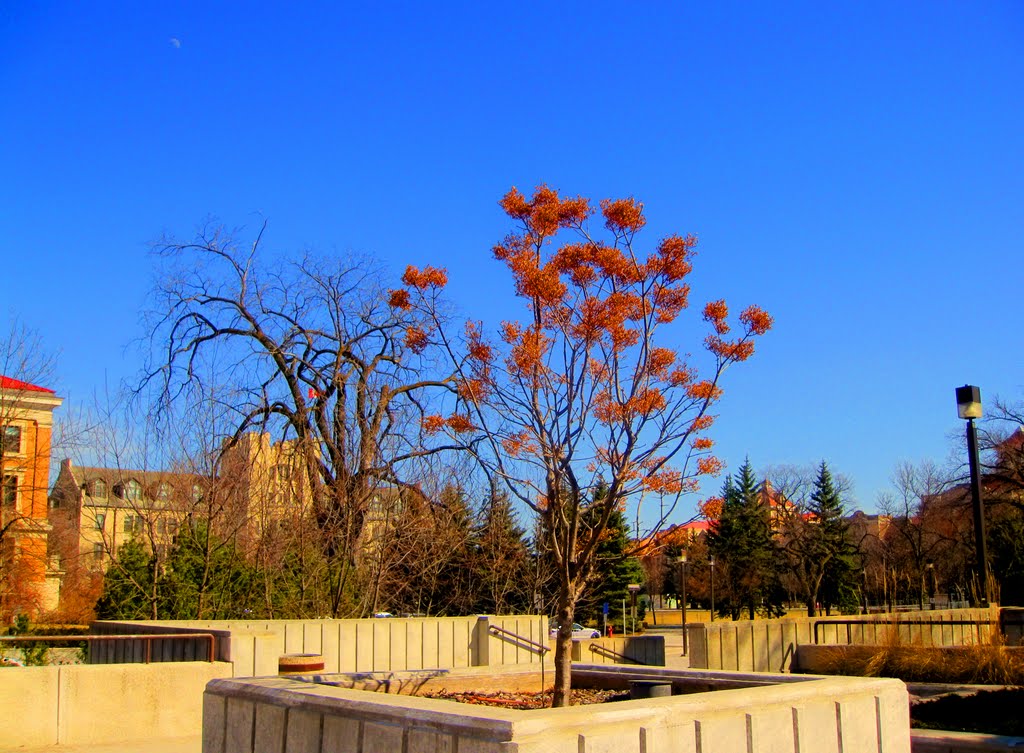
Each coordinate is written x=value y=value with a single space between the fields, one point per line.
x=579 y=633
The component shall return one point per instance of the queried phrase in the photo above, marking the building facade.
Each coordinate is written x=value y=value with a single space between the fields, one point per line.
x=95 y=511
x=29 y=581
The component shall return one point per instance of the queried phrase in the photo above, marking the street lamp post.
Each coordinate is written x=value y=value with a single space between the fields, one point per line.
x=634 y=589
x=711 y=562
x=968 y=405
x=930 y=568
x=681 y=560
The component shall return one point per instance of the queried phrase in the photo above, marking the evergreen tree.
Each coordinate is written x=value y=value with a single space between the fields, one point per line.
x=433 y=548
x=741 y=541
x=613 y=572
x=833 y=549
x=503 y=563
x=206 y=578
x=130 y=585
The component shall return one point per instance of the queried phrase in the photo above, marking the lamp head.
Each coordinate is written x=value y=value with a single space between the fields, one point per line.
x=968 y=401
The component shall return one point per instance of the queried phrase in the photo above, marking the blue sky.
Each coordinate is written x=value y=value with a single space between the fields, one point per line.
x=856 y=169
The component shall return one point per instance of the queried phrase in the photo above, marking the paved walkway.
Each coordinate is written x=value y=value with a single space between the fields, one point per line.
x=164 y=745
x=674 y=657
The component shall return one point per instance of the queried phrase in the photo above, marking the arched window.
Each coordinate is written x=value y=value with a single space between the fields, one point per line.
x=99 y=489
x=163 y=492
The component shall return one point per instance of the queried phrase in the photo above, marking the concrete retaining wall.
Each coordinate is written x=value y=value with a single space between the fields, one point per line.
x=770 y=645
x=643 y=650
x=395 y=644
x=826 y=715
x=81 y=704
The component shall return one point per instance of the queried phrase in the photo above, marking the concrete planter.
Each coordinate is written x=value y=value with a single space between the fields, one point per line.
x=751 y=713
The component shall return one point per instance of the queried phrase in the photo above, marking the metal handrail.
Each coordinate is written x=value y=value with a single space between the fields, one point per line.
x=608 y=653
x=897 y=622
x=541 y=648
x=147 y=637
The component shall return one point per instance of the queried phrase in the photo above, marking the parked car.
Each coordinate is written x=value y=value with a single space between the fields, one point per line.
x=579 y=633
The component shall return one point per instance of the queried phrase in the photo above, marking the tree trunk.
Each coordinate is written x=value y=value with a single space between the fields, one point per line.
x=566 y=613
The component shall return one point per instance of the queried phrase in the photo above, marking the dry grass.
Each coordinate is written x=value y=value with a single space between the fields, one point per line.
x=986 y=663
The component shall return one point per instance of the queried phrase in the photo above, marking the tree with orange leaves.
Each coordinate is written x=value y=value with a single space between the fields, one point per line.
x=583 y=393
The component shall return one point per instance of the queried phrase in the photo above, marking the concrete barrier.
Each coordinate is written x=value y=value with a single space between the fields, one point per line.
x=1011 y=623
x=826 y=715
x=647 y=650
x=253 y=647
x=28 y=697
x=84 y=704
x=770 y=645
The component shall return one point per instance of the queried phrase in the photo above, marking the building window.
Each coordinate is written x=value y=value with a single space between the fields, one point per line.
x=133 y=524
x=101 y=520
x=12 y=440
x=99 y=489
x=163 y=492
x=10 y=490
x=197 y=494
x=280 y=492
x=161 y=526
x=133 y=491
x=97 y=551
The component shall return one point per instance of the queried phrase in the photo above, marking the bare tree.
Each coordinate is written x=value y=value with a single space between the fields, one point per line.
x=1002 y=440
x=923 y=527
x=314 y=354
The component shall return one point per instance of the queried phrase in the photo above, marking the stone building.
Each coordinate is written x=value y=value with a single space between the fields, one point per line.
x=258 y=487
x=94 y=511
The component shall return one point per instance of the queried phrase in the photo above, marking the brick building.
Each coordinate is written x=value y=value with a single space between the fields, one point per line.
x=28 y=583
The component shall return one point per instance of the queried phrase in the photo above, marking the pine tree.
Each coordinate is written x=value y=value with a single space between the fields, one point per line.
x=129 y=591
x=503 y=563
x=834 y=551
x=741 y=540
x=613 y=572
x=206 y=578
x=432 y=548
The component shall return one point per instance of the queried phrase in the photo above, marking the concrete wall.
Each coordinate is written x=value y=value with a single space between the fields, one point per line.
x=826 y=715
x=1011 y=622
x=770 y=645
x=80 y=704
x=254 y=647
x=644 y=650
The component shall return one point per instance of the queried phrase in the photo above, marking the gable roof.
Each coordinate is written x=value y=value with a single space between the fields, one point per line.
x=10 y=383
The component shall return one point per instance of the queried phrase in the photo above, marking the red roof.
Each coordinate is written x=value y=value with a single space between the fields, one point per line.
x=8 y=383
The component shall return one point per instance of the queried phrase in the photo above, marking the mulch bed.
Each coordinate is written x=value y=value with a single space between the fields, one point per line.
x=995 y=712
x=580 y=697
